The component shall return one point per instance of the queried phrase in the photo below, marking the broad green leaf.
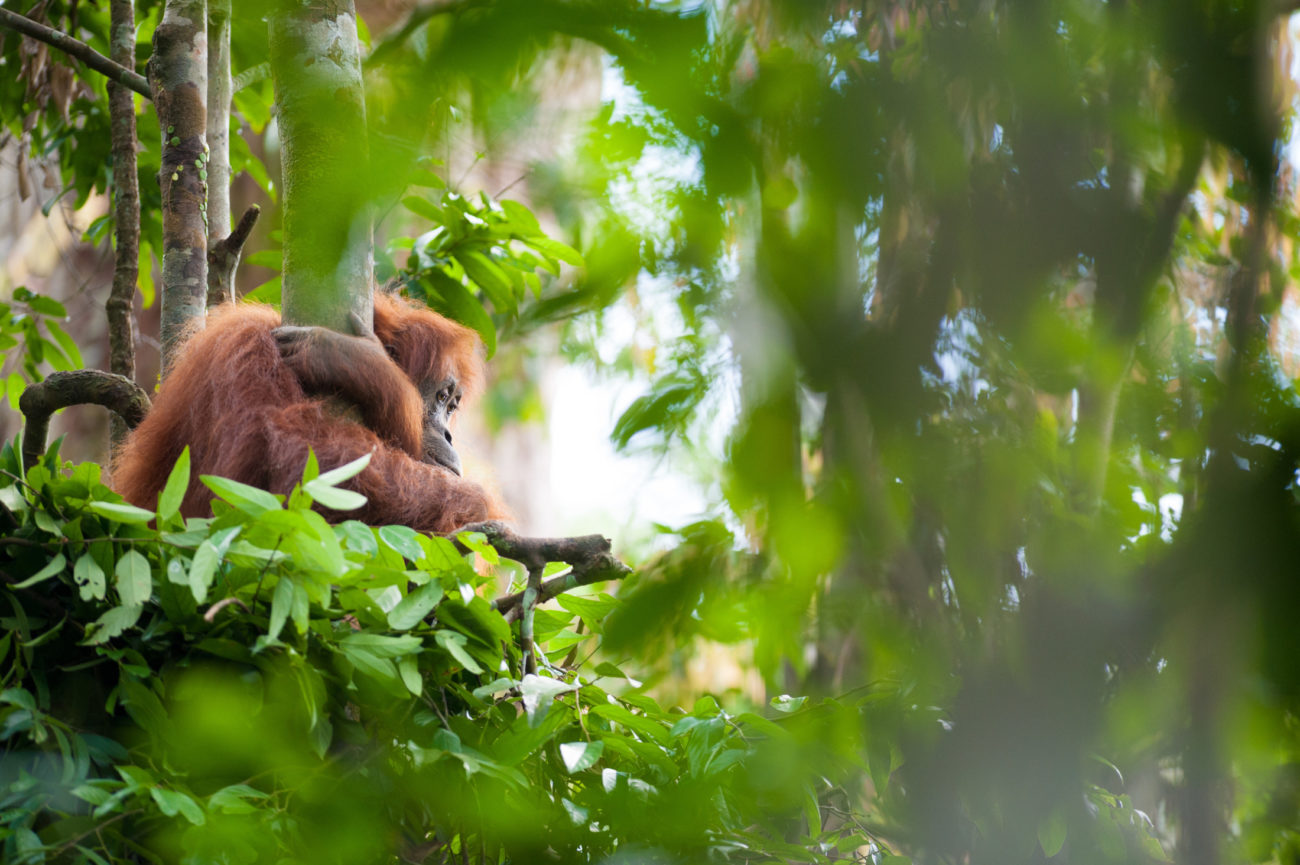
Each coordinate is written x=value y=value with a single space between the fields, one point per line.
x=90 y=578
x=233 y=799
x=347 y=471
x=333 y=497
x=403 y=540
x=169 y=500
x=451 y=298
x=409 y=669
x=112 y=623
x=248 y=499
x=412 y=609
x=786 y=703
x=454 y=643
x=556 y=249
x=134 y=581
x=53 y=567
x=281 y=603
x=47 y=306
x=489 y=276
x=1051 y=832
x=371 y=664
x=173 y=802
x=578 y=756
x=121 y=512
x=383 y=646
x=144 y=707
x=202 y=569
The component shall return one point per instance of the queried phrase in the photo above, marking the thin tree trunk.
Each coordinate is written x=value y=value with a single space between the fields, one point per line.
x=218 y=131
x=178 y=71
x=320 y=107
x=126 y=205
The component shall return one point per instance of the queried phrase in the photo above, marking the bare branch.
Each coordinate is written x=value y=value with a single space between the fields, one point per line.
x=79 y=387
x=589 y=555
x=76 y=49
x=223 y=259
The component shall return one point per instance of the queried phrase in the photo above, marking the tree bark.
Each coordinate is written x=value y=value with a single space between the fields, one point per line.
x=80 y=387
x=126 y=206
x=178 y=71
x=218 y=131
x=320 y=107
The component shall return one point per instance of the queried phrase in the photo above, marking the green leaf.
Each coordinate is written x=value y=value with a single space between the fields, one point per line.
x=1051 y=833
x=454 y=643
x=169 y=500
x=383 y=646
x=121 y=512
x=173 y=802
x=555 y=249
x=786 y=703
x=422 y=207
x=347 y=471
x=281 y=603
x=248 y=499
x=55 y=566
x=90 y=578
x=449 y=297
x=578 y=756
x=401 y=539
x=521 y=218
x=232 y=799
x=267 y=292
x=144 y=707
x=489 y=276
x=66 y=343
x=333 y=497
x=112 y=623
x=47 y=306
x=408 y=668
x=206 y=559
x=134 y=583
x=412 y=609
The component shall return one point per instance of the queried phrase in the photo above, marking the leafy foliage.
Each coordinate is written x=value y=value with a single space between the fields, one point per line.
x=263 y=686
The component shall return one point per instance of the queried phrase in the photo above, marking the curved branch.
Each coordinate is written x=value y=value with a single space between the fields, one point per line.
x=589 y=556
x=79 y=387
x=76 y=49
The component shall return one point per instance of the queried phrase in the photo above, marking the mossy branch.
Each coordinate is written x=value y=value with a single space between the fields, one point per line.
x=76 y=49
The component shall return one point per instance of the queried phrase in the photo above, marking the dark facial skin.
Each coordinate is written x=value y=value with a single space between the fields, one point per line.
x=441 y=398
x=317 y=355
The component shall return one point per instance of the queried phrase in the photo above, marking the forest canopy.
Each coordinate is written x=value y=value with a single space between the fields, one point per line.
x=972 y=320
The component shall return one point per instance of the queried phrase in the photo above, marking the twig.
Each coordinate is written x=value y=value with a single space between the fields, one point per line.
x=76 y=49
x=62 y=389
x=211 y=614
x=589 y=556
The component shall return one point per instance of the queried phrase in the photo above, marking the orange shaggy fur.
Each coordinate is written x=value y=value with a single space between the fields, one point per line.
x=245 y=415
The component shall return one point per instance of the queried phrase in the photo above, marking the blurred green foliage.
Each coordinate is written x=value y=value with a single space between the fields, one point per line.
x=990 y=303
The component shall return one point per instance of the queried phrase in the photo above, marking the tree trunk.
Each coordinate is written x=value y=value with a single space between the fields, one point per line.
x=126 y=205
x=218 y=131
x=320 y=108
x=178 y=72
